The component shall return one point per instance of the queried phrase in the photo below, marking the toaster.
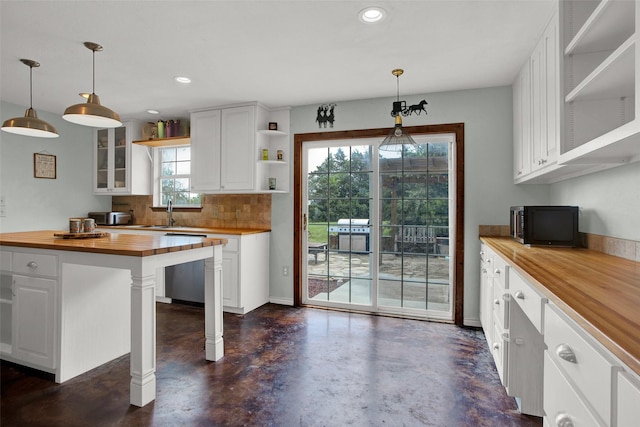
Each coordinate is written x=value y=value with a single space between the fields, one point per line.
x=110 y=218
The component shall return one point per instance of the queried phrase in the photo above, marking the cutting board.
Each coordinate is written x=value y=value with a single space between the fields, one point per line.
x=81 y=235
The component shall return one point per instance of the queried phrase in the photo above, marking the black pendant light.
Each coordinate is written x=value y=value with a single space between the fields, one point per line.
x=30 y=124
x=397 y=137
x=92 y=113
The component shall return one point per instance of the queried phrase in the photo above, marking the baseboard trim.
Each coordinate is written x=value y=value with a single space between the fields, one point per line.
x=281 y=301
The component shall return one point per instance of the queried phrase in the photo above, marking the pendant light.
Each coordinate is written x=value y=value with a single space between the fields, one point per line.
x=92 y=113
x=30 y=124
x=397 y=137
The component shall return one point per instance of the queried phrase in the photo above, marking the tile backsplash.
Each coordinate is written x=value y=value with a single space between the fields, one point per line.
x=251 y=211
x=623 y=248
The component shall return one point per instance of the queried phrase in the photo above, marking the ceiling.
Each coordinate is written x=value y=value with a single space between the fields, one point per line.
x=280 y=53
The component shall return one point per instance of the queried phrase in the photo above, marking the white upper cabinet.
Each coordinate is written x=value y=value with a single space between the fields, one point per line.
x=226 y=147
x=522 y=123
x=598 y=73
x=119 y=165
x=537 y=108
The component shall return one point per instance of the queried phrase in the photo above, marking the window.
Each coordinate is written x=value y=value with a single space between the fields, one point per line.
x=173 y=166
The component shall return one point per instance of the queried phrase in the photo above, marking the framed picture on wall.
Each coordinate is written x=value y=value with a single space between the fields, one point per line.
x=44 y=166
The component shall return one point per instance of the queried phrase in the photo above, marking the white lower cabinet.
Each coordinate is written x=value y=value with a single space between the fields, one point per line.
x=547 y=361
x=245 y=271
x=28 y=309
x=628 y=408
x=585 y=365
x=34 y=320
x=562 y=406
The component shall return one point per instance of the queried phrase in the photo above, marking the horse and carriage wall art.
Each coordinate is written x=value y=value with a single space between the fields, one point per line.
x=326 y=112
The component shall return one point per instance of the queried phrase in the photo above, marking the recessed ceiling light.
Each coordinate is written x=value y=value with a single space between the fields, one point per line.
x=153 y=111
x=182 y=79
x=371 y=15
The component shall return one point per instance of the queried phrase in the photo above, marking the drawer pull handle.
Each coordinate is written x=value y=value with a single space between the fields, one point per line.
x=496 y=346
x=519 y=295
x=32 y=264
x=496 y=301
x=563 y=420
x=497 y=271
x=566 y=353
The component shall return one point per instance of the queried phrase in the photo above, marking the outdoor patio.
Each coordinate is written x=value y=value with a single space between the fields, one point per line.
x=346 y=277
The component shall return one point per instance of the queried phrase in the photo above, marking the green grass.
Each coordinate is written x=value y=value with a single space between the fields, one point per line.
x=318 y=232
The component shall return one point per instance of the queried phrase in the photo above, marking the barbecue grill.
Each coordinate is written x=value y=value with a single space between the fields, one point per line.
x=353 y=234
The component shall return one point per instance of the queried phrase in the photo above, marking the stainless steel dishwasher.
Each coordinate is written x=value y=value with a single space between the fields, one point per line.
x=184 y=283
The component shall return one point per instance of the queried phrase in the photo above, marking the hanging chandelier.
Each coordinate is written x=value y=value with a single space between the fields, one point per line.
x=92 y=113
x=397 y=137
x=30 y=124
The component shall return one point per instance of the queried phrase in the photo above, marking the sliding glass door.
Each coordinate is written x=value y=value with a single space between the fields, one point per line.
x=377 y=226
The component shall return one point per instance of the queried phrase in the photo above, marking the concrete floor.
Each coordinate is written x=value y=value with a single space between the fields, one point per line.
x=283 y=367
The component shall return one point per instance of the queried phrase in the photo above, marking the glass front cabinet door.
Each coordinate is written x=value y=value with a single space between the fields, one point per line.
x=116 y=157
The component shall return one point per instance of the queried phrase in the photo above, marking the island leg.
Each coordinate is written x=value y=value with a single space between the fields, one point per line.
x=143 y=339
x=214 y=343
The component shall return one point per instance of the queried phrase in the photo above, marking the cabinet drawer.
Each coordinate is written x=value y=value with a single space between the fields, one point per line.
x=531 y=302
x=499 y=271
x=499 y=350
x=628 y=400
x=587 y=366
x=42 y=265
x=500 y=304
x=561 y=403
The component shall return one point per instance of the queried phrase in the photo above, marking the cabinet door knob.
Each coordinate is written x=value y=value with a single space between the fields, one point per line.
x=566 y=353
x=497 y=271
x=32 y=264
x=496 y=346
x=519 y=295
x=563 y=420
x=496 y=301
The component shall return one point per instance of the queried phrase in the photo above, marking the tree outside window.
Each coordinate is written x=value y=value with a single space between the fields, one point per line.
x=175 y=177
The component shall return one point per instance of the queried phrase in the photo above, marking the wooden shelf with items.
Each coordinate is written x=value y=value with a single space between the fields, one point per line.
x=600 y=71
x=272 y=168
x=165 y=142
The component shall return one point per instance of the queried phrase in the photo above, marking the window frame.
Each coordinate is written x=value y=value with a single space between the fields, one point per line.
x=157 y=178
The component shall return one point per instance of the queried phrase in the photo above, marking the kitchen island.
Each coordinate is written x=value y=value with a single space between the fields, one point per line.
x=71 y=307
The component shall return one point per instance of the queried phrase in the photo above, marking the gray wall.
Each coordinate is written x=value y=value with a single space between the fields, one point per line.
x=609 y=201
x=36 y=203
x=489 y=188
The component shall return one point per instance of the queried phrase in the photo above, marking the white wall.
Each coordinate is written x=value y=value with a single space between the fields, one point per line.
x=609 y=201
x=37 y=203
x=489 y=188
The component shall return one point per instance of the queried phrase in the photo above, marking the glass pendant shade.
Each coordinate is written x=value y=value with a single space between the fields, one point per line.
x=30 y=124
x=92 y=113
x=396 y=138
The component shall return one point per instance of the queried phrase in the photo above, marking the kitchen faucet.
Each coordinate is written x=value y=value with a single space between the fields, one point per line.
x=170 y=213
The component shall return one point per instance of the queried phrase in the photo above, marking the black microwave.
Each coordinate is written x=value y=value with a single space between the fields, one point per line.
x=545 y=225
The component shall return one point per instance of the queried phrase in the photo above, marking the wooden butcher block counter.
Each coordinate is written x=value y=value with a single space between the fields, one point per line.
x=600 y=292
x=115 y=244
x=81 y=301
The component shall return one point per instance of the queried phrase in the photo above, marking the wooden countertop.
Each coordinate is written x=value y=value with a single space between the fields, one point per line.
x=187 y=229
x=113 y=244
x=600 y=292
